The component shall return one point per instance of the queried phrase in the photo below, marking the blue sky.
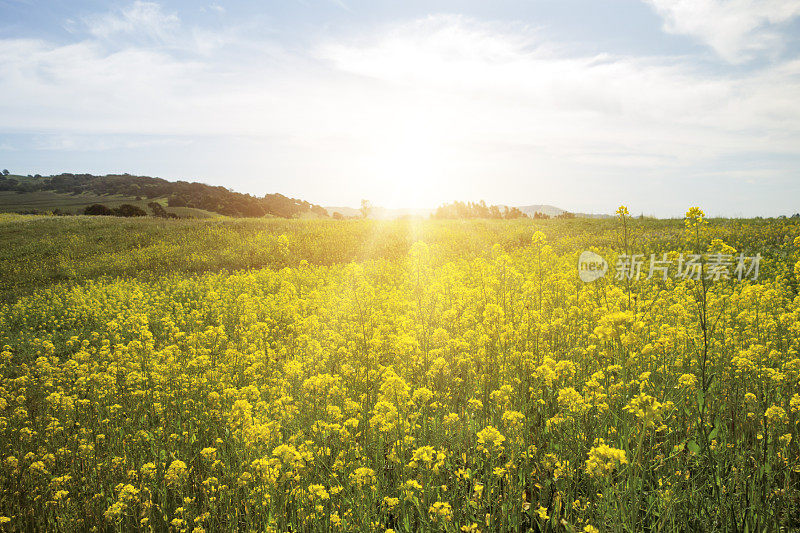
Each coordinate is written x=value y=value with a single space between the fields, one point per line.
x=656 y=104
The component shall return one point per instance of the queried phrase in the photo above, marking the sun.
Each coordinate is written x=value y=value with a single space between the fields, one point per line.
x=409 y=163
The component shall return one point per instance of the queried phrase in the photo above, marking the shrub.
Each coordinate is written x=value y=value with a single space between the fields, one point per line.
x=128 y=210
x=98 y=209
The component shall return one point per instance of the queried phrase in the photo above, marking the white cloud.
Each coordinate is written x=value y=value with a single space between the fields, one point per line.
x=88 y=143
x=342 y=5
x=141 y=19
x=514 y=87
x=469 y=81
x=736 y=29
x=429 y=107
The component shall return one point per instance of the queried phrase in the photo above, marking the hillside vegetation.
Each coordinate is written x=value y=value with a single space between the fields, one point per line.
x=70 y=193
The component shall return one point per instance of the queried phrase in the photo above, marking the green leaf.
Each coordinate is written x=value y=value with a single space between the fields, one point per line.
x=693 y=447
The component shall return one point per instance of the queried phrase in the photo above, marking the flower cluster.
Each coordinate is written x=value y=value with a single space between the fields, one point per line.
x=464 y=383
x=604 y=459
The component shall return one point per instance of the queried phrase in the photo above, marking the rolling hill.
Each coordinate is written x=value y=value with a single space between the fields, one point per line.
x=72 y=193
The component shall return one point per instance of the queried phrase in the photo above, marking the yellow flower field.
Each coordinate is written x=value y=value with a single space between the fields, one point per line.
x=459 y=378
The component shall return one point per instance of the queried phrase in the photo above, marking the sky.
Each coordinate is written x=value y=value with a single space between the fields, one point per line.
x=583 y=104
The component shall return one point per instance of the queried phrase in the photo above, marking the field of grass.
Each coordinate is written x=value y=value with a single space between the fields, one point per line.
x=48 y=201
x=41 y=250
x=45 y=202
x=320 y=375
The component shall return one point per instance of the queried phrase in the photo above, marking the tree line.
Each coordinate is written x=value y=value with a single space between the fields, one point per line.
x=481 y=210
x=476 y=210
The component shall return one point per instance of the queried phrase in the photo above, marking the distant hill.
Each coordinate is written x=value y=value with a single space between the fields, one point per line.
x=553 y=211
x=382 y=213
x=549 y=210
x=70 y=193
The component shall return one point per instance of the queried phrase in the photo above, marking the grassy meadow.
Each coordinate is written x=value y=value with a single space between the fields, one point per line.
x=321 y=375
x=44 y=202
x=73 y=204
